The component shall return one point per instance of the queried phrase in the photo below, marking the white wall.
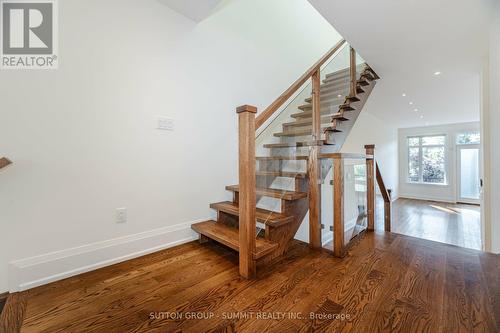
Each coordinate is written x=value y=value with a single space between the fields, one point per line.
x=83 y=137
x=490 y=121
x=369 y=129
x=448 y=192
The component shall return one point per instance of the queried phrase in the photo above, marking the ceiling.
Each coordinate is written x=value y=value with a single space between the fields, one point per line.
x=406 y=42
x=196 y=10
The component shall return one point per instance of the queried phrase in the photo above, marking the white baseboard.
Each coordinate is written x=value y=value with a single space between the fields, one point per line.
x=46 y=268
x=427 y=198
x=326 y=238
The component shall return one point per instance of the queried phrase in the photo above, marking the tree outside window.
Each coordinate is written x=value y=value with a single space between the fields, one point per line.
x=427 y=159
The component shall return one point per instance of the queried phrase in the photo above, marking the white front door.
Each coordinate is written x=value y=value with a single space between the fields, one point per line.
x=469 y=188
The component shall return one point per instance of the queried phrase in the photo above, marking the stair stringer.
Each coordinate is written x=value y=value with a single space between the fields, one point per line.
x=283 y=235
x=339 y=138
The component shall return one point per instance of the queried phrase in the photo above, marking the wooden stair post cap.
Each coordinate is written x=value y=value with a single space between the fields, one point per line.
x=4 y=161
x=246 y=108
x=370 y=150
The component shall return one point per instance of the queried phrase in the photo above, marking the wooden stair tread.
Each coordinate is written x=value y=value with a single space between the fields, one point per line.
x=288 y=174
x=330 y=98
x=326 y=107
x=261 y=215
x=295 y=144
x=282 y=158
x=308 y=120
x=273 y=193
x=325 y=111
x=301 y=132
x=346 y=71
x=230 y=237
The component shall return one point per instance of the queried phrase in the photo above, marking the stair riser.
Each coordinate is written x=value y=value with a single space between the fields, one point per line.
x=342 y=92
x=345 y=72
x=299 y=166
x=307 y=122
x=325 y=107
x=328 y=99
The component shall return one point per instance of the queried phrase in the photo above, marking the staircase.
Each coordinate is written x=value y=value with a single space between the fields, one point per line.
x=280 y=188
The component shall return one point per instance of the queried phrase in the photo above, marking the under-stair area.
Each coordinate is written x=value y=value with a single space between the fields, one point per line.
x=285 y=155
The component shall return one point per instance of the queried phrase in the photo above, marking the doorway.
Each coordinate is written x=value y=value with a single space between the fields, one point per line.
x=469 y=188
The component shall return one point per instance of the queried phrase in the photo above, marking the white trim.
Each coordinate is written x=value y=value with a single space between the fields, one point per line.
x=326 y=237
x=458 y=180
x=46 y=268
x=421 y=147
x=427 y=198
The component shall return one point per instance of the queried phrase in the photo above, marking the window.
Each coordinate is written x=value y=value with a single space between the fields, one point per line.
x=426 y=159
x=470 y=138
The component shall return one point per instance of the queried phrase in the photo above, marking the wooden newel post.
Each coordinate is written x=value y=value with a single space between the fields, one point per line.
x=247 y=199
x=338 y=208
x=313 y=168
x=370 y=185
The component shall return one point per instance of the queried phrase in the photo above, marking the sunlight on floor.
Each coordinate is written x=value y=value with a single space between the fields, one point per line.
x=458 y=224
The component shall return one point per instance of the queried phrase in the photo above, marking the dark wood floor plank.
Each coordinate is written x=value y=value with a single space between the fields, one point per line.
x=480 y=307
x=455 y=311
x=490 y=267
x=387 y=283
x=378 y=314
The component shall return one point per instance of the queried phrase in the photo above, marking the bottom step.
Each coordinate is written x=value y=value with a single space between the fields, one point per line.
x=230 y=237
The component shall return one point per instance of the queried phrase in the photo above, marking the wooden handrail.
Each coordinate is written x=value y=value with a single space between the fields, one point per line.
x=271 y=109
x=381 y=185
x=386 y=194
x=4 y=161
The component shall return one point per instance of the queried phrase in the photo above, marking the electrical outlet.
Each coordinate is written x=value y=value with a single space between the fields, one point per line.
x=166 y=124
x=121 y=215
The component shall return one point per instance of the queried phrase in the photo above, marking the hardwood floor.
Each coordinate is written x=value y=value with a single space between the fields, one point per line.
x=386 y=283
x=455 y=224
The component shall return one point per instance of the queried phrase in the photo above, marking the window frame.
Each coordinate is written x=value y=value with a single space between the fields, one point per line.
x=468 y=133
x=420 y=147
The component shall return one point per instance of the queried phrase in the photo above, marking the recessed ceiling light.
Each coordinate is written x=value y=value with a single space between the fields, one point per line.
x=339 y=96
x=421 y=117
x=416 y=110
x=404 y=95
x=411 y=103
x=437 y=73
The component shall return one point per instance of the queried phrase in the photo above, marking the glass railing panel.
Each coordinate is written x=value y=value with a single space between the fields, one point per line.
x=279 y=158
x=355 y=198
x=327 y=197
x=360 y=66
x=335 y=84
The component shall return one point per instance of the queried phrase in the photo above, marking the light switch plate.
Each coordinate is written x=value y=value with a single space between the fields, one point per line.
x=166 y=124
x=121 y=215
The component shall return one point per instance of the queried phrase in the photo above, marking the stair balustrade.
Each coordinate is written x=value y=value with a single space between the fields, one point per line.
x=280 y=169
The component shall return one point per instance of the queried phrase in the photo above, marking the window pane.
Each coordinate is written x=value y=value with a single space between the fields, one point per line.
x=413 y=141
x=433 y=165
x=413 y=165
x=469 y=173
x=432 y=140
x=469 y=138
